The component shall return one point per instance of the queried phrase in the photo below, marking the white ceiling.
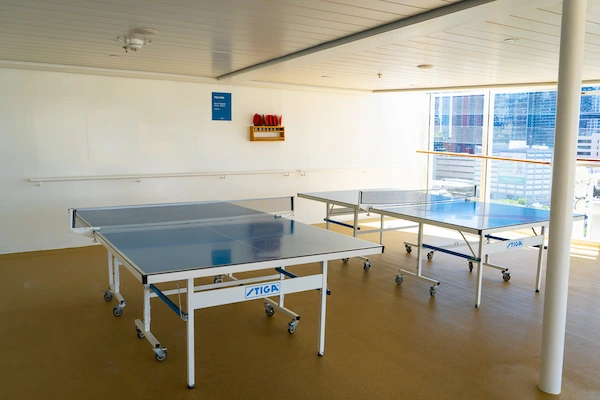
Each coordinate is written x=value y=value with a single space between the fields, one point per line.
x=334 y=43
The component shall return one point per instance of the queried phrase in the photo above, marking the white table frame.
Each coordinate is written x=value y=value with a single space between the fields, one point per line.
x=354 y=209
x=485 y=248
x=216 y=294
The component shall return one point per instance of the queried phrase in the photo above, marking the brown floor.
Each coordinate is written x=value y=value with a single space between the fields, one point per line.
x=61 y=341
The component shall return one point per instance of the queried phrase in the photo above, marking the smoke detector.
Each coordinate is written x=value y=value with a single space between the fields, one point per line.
x=133 y=44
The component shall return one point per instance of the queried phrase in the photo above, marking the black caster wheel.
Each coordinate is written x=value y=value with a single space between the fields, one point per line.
x=292 y=327
x=161 y=356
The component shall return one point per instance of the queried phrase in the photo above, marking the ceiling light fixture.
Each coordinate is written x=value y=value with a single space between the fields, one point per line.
x=425 y=66
x=326 y=76
x=114 y=56
x=511 y=40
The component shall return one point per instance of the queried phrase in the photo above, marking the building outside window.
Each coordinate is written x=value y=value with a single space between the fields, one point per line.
x=458 y=123
x=516 y=125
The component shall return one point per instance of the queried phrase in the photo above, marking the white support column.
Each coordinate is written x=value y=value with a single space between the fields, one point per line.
x=322 y=316
x=327 y=216
x=381 y=226
x=563 y=175
x=355 y=230
x=190 y=334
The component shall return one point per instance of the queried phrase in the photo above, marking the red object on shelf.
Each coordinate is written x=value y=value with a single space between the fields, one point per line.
x=267 y=120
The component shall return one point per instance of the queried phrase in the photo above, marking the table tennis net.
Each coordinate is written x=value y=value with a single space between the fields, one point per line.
x=414 y=197
x=181 y=213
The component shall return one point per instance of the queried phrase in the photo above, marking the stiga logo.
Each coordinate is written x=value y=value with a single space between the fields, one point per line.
x=266 y=289
x=514 y=244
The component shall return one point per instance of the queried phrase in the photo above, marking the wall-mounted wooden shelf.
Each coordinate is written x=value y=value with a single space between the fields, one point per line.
x=267 y=133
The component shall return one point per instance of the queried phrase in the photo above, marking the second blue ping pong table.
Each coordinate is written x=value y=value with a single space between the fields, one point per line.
x=166 y=243
x=483 y=220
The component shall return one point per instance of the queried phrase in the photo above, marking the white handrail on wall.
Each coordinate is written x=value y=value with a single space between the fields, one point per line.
x=222 y=175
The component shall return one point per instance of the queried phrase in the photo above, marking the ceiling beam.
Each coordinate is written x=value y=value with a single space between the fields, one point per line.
x=434 y=21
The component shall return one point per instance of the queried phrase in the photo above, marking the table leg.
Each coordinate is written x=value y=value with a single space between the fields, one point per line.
x=419 y=249
x=117 y=276
x=479 y=271
x=146 y=308
x=111 y=276
x=323 y=309
x=114 y=285
x=190 y=333
x=538 y=281
x=381 y=225
x=281 y=296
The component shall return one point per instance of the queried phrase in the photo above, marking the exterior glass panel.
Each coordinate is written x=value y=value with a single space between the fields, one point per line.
x=522 y=127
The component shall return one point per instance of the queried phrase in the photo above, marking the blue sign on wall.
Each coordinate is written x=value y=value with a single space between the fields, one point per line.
x=221 y=106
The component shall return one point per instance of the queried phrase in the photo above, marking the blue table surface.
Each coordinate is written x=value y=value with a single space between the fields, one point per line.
x=374 y=197
x=473 y=214
x=170 y=248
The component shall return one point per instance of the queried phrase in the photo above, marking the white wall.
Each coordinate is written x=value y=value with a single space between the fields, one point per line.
x=63 y=125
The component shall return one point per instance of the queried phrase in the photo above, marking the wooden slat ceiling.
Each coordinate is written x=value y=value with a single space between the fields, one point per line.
x=331 y=43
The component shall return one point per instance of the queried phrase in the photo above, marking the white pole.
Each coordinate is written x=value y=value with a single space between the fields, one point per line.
x=561 y=212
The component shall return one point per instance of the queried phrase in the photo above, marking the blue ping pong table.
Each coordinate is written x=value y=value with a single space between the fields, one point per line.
x=165 y=243
x=483 y=220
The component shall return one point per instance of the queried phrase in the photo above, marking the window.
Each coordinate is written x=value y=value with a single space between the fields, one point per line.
x=518 y=125
x=523 y=129
x=457 y=127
